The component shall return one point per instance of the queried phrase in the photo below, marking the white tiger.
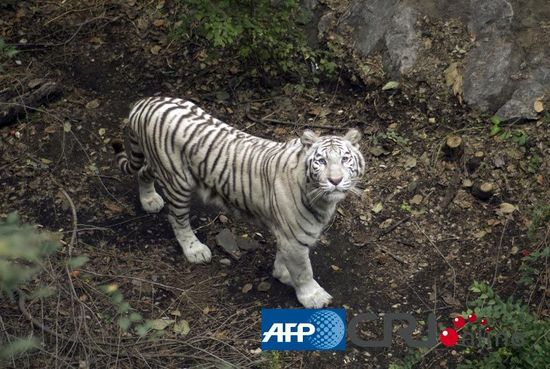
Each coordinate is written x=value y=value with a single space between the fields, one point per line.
x=291 y=187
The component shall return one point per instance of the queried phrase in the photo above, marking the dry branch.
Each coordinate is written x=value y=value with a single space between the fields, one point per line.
x=17 y=107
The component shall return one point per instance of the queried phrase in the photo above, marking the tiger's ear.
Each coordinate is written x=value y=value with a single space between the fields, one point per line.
x=353 y=136
x=308 y=138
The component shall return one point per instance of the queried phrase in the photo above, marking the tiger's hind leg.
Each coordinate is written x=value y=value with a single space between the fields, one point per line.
x=193 y=249
x=150 y=200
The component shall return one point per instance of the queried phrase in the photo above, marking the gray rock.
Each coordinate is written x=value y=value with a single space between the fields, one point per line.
x=247 y=244
x=228 y=243
x=310 y=4
x=490 y=16
x=325 y=22
x=402 y=41
x=521 y=105
x=368 y=21
x=487 y=82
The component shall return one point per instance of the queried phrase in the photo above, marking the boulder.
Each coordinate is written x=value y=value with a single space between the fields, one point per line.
x=367 y=21
x=521 y=105
x=402 y=41
x=489 y=66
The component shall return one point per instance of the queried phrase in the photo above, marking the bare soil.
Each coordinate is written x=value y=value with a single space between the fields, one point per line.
x=413 y=242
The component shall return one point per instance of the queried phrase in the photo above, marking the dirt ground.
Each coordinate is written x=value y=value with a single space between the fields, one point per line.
x=413 y=242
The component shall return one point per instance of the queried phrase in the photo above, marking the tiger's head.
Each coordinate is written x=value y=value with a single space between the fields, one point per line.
x=334 y=164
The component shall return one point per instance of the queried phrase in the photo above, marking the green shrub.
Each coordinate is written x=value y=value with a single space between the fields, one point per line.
x=518 y=338
x=263 y=33
x=22 y=250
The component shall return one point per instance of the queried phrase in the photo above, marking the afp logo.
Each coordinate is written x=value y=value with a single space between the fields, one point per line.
x=303 y=329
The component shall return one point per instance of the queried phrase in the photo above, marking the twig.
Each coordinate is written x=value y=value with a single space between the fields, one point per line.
x=36 y=323
x=393 y=227
x=440 y=254
x=386 y=251
x=286 y=123
x=498 y=253
x=451 y=192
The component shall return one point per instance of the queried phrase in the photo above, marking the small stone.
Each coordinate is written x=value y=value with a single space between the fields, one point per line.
x=246 y=288
x=431 y=120
x=247 y=244
x=263 y=286
x=223 y=219
x=467 y=183
x=225 y=261
x=416 y=200
x=227 y=241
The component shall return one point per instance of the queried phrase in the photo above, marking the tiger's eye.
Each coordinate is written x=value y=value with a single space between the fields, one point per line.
x=322 y=161
x=345 y=159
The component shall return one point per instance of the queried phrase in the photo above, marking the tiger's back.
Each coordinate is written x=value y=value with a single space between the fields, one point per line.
x=182 y=143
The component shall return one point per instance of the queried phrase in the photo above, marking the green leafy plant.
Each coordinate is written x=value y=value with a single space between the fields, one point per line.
x=22 y=251
x=263 y=33
x=127 y=317
x=518 y=136
x=6 y=53
x=533 y=267
x=517 y=339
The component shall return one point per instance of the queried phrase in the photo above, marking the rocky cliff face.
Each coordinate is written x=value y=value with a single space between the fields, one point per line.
x=501 y=51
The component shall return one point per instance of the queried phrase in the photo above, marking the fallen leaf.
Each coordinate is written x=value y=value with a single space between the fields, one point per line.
x=391 y=85
x=416 y=200
x=246 y=288
x=114 y=208
x=67 y=127
x=377 y=208
x=506 y=208
x=454 y=79
x=377 y=151
x=155 y=50
x=263 y=286
x=160 y=324
x=479 y=235
x=158 y=22
x=181 y=328
x=410 y=163
x=538 y=106
x=386 y=223
x=50 y=129
x=92 y=104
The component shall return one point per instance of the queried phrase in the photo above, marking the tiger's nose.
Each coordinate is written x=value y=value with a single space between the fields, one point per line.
x=335 y=180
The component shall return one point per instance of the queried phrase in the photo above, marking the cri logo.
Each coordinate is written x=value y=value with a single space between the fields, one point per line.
x=449 y=336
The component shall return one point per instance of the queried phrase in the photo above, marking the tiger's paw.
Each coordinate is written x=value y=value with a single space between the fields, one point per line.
x=152 y=203
x=197 y=253
x=313 y=296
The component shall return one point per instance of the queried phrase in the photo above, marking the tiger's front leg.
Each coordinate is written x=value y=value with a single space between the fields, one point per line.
x=296 y=259
x=193 y=249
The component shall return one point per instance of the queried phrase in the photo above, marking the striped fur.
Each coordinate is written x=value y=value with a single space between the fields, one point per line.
x=291 y=187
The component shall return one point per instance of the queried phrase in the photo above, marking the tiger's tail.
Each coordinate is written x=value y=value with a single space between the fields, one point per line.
x=132 y=164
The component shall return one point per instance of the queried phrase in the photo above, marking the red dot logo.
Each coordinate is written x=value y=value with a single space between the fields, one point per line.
x=448 y=337
x=472 y=318
x=459 y=322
